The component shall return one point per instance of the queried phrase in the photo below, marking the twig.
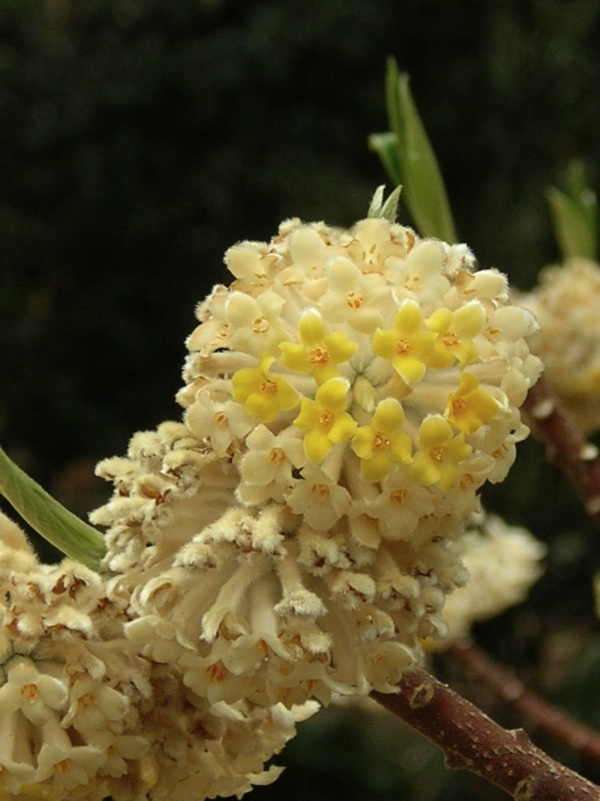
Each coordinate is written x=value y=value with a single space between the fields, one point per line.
x=565 y=445
x=541 y=714
x=471 y=741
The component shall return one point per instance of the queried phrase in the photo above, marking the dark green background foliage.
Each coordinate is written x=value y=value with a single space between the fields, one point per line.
x=140 y=138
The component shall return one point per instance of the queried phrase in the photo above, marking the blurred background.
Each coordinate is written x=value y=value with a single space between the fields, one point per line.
x=141 y=138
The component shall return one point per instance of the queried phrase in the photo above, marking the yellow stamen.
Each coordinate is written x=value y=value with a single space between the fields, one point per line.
x=217 y=672
x=270 y=387
x=277 y=456
x=354 y=301
x=29 y=692
x=260 y=325
x=398 y=496
x=319 y=356
x=321 y=491
x=380 y=441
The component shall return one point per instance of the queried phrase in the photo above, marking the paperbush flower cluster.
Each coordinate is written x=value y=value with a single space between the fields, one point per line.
x=345 y=398
x=568 y=339
x=84 y=715
x=503 y=562
x=70 y=685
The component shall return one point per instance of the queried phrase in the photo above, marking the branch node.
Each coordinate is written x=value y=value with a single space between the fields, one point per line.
x=421 y=696
x=524 y=789
x=521 y=736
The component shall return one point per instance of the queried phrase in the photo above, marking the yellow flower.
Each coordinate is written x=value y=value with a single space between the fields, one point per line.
x=456 y=331
x=383 y=441
x=320 y=352
x=261 y=393
x=325 y=419
x=439 y=454
x=469 y=407
x=406 y=344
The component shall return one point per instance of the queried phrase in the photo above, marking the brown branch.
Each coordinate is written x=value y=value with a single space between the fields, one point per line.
x=471 y=741
x=565 y=445
x=542 y=715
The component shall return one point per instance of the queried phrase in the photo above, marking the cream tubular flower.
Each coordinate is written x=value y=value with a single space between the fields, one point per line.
x=84 y=715
x=71 y=685
x=312 y=552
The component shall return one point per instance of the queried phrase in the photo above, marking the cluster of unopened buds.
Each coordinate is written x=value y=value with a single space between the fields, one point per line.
x=298 y=533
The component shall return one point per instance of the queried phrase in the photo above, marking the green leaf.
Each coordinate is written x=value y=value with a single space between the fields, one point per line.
x=574 y=215
x=48 y=517
x=409 y=159
x=386 y=147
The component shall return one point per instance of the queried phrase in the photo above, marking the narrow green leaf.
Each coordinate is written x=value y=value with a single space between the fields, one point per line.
x=575 y=215
x=386 y=147
x=575 y=179
x=424 y=192
x=573 y=229
x=48 y=517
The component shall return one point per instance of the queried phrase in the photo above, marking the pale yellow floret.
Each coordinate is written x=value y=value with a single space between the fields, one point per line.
x=320 y=352
x=325 y=419
x=383 y=442
x=319 y=500
x=439 y=454
x=261 y=393
x=407 y=345
x=469 y=407
x=352 y=295
x=255 y=323
x=456 y=331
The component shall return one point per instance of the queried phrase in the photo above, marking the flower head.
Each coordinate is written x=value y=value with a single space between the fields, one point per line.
x=568 y=340
x=503 y=562
x=367 y=383
x=83 y=714
x=71 y=686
